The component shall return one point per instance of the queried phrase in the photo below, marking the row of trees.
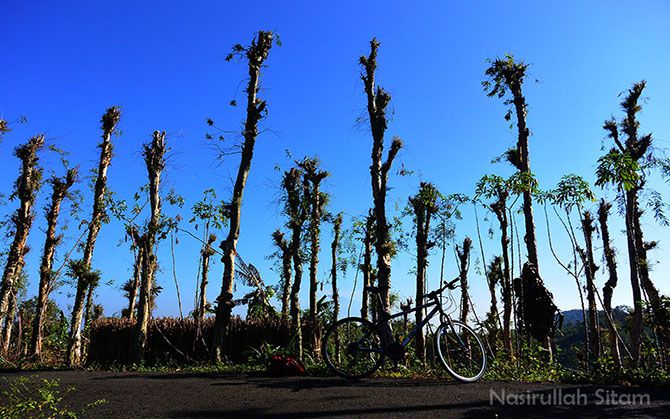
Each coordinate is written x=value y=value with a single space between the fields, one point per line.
x=527 y=309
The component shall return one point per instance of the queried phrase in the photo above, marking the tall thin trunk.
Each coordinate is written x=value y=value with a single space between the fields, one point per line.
x=590 y=272
x=500 y=210
x=256 y=109
x=334 y=246
x=154 y=157
x=26 y=188
x=109 y=121
x=524 y=167
x=136 y=281
x=316 y=201
x=463 y=253
x=367 y=263
x=286 y=272
x=296 y=209
x=60 y=187
x=608 y=289
x=207 y=252
x=421 y=262
x=9 y=323
x=377 y=102
x=424 y=205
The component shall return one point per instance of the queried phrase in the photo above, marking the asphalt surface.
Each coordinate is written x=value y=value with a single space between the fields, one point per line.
x=208 y=395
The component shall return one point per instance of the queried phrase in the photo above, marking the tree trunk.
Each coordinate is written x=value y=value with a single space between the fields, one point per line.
x=463 y=253
x=60 y=188
x=316 y=201
x=286 y=260
x=26 y=188
x=378 y=101
x=590 y=273
x=608 y=289
x=636 y=326
x=334 y=246
x=207 y=252
x=9 y=324
x=137 y=280
x=421 y=262
x=154 y=157
x=499 y=208
x=256 y=108
x=367 y=263
x=524 y=167
x=109 y=121
x=296 y=323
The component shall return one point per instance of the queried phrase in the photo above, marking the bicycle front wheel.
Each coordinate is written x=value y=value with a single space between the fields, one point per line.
x=461 y=352
x=352 y=348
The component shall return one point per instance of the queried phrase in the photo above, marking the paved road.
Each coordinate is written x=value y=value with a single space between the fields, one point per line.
x=136 y=395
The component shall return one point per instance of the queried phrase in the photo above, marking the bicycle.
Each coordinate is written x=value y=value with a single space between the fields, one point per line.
x=355 y=348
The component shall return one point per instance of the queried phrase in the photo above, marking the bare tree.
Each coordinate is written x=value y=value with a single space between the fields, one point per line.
x=154 y=158
x=256 y=54
x=25 y=189
x=60 y=191
x=377 y=102
x=109 y=122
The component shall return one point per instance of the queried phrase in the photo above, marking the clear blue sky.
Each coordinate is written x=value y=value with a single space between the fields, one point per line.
x=163 y=62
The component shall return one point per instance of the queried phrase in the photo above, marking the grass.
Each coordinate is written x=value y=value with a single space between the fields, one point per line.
x=32 y=397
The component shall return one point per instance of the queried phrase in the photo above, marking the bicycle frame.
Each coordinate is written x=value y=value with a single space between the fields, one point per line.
x=385 y=327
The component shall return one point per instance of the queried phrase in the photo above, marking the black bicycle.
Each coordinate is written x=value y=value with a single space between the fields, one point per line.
x=355 y=347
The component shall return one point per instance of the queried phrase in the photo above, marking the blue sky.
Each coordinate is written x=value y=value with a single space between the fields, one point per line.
x=163 y=63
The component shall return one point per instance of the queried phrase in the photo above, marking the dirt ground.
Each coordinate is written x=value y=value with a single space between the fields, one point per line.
x=208 y=395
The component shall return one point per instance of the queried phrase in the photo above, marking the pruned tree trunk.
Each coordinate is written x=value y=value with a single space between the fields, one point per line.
x=256 y=54
x=109 y=121
x=9 y=323
x=377 y=102
x=634 y=148
x=26 y=188
x=207 y=252
x=60 y=187
x=424 y=205
x=610 y=259
x=286 y=271
x=334 y=247
x=154 y=157
x=590 y=273
x=316 y=201
x=499 y=208
x=463 y=253
x=136 y=280
x=296 y=210
x=366 y=266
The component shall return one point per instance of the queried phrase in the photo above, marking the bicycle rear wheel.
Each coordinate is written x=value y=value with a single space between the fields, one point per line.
x=352 y=348
x=460 y=351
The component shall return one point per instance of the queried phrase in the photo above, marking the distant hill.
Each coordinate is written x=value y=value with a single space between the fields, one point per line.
x=574 y=316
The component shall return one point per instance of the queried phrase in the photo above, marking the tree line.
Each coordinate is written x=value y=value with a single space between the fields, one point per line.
x=521 y=312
